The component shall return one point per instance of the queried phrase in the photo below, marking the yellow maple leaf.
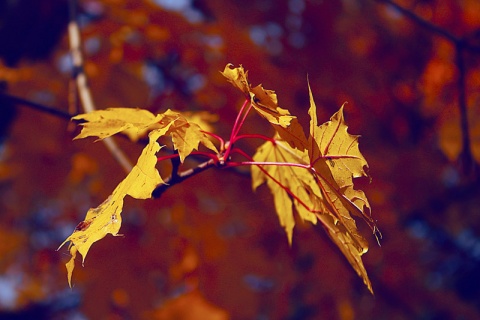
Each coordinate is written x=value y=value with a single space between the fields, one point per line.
x=106 y=218
x=265 y=102
x=184 y=128
x=336 y=159
x=284 y=179
x=238 y=78
x=186 y=135
x=202 y=118
x=318 y=183
x=104 y=123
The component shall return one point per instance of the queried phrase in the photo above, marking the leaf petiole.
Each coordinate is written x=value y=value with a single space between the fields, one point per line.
x=240 y=124
x=215 y=136
x=239 y=121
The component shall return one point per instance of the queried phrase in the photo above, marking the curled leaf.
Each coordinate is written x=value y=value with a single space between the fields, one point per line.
x=106 y=218
x=186 y=134
x=266 y=104
x=237 y=77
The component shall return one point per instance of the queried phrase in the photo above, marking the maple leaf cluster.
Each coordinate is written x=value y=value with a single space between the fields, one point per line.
x=313 y=175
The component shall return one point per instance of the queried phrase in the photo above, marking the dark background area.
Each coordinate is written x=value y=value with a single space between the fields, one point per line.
x=210 y=248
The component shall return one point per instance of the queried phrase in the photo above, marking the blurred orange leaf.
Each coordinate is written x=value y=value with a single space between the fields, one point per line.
x=450 y=133
x=190 y=306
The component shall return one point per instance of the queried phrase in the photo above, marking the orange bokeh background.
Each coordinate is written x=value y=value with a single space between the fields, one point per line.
x=210 y=248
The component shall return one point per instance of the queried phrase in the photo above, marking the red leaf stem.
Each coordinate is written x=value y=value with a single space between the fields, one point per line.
x=220 y=139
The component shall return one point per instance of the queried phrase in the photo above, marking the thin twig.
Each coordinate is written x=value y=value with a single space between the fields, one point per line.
x=36 y=106
x=424 y=23
x=82 y=84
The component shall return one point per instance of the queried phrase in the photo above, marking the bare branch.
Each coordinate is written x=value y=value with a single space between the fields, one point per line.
x=82 y=84
x=175 y=165
x=36 y=106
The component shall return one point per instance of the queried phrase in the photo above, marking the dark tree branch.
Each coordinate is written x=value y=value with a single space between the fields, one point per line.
x=36 y=106
x=181 y=176
x=461 y=44
x=175 y=165
x=422 y=22
x=433 y=28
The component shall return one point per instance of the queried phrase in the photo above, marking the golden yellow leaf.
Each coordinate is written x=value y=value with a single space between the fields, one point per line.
x=104 y=123
x=106 y=218
x=237 y=77
x=186 y=135
x=265 y=102
x=318 y=183
x=280 y=178
x=70 y=265
x=184 y=128
x=344 y=241
x=202 y=118
x=336 y=159
x=335 y=156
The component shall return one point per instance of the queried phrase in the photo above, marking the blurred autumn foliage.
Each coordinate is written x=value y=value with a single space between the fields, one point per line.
x=210 y=248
